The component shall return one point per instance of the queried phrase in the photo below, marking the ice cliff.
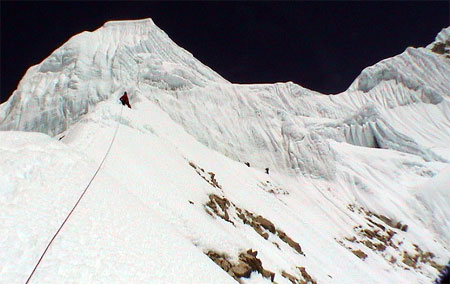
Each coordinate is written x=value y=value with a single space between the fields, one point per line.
x=93 y=65
x=273 y=119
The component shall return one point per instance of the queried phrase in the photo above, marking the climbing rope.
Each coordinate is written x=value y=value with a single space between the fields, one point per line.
x=79 y=199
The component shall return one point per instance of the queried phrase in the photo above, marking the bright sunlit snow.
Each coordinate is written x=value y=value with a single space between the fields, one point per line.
x=358 y=188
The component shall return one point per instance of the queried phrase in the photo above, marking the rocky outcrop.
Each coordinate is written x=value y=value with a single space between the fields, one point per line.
x=306 y=276
x=380 y=233
x=293 y=244
x=220 y=207
x=359 y=253
x=247 y=263
x=307 y=279
x=209 y=177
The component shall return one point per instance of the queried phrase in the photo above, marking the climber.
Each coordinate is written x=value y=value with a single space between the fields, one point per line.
x=124 y=100
x=267 y=170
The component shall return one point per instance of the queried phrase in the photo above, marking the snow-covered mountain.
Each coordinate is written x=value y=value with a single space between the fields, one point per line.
x=358 y=189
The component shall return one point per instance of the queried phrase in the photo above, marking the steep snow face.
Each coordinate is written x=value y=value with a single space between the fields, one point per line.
x=113 y=237
x=93 y=65
x=347 y=172
x=411 y=71
x=419 y=72
x=148 y=216
x=434 y=193
x=288 y=127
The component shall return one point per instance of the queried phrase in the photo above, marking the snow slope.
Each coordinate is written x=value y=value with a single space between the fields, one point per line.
x=347 y=172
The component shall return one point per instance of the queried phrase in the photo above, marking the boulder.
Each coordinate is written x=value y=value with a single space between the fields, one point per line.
x=242 y=270
x=265 y=223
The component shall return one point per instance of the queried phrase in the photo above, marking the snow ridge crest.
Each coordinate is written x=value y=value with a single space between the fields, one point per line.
x=122 y=23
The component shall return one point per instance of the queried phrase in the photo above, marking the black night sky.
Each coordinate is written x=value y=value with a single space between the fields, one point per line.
x=322 y=46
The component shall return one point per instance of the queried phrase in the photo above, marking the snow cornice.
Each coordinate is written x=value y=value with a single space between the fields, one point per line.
x=123 y=23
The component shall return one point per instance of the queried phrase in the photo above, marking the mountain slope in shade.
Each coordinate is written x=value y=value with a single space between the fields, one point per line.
x=358 y=190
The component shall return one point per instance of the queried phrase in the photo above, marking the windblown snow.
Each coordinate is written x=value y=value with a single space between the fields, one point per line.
x=358 y=189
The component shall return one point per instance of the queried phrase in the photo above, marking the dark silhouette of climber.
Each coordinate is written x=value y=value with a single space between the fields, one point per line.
x=267 y=170
x=124 y=100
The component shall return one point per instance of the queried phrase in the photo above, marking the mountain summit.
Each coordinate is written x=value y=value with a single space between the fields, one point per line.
x=357 y=189
x=93 y=65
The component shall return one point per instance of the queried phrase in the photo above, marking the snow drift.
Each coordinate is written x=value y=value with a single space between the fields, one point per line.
x=359 y=176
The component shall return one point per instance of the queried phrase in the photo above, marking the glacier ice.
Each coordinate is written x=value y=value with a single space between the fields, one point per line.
x=139 y=57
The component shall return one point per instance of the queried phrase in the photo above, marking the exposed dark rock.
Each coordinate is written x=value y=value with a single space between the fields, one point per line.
x=250 y=258
x=380 y=247
x=259 y=222
x=290 y=277
x=360 y=254
x=379 y=236
x=268 y=274
x=271 y=188
x=213 y=180
x=351 y=207
x=219 y=206
x=376 y=224
x=428 y=255
x=391 y=223
x=215 y=202
x=439 y=48
x=260 y=231
x=409 y=260
x=352 y=239
x=370 y=234
x=265 y=223
x=368 y=244
x=306 y=276
x=438 y=267
x=293 y=244
x=220 y=260
x=201 y=172
x=248 y=262
x=391 y=234
x=241 y=270
x=393 y=260
x=444 y=275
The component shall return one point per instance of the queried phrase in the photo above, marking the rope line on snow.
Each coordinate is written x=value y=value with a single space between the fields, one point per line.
x=79 y=199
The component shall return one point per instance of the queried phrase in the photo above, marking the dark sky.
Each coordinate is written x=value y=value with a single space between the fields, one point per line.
x=319 y=45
